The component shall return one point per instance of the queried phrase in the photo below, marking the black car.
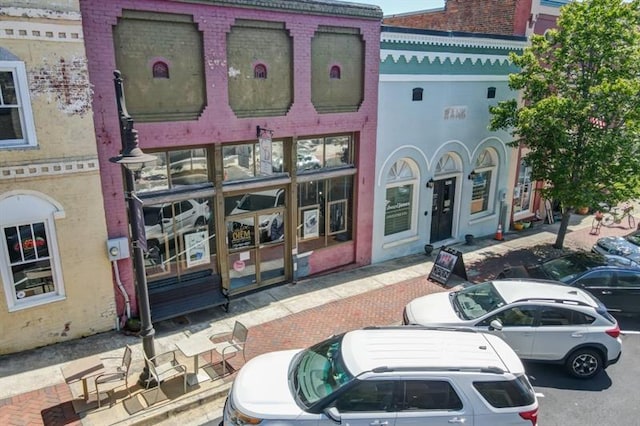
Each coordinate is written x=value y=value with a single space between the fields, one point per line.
x=615 y=281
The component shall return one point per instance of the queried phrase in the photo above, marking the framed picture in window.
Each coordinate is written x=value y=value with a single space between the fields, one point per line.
x=196 y=248
x=337 y=217
x=310 y=226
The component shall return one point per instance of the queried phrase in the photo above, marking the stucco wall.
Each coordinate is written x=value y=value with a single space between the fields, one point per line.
x=63 y=168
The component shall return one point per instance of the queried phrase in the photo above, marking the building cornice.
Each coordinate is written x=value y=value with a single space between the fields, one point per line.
x=453 y=41
x=314 y=7
x=25 y=30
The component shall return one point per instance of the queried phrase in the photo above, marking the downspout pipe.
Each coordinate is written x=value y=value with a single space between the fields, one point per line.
x=127 y=302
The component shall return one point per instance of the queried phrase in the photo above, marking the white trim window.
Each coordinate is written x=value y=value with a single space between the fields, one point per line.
x=29 y=259
x=400 y=218
x=16 y=119
x=483 y=182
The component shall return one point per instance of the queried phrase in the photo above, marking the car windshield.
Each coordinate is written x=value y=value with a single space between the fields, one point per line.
x=319 y=371
x=567 y=267
x=477 y=300
x=252 y=202
x=634 y=238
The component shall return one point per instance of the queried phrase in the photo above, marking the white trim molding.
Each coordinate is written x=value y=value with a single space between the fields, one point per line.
x=48 y=169
x=22 y=30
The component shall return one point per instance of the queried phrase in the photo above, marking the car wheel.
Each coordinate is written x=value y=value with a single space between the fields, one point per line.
x=200 y=221
x=584 y=363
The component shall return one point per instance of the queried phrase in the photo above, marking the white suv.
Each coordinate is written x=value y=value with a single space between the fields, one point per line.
x=541 y=320
x=387 y=376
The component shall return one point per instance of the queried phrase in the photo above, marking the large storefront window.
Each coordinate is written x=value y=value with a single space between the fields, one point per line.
x=243 y=161
x=483 y=182
x=174 y=169
x=321 y=153
x=324 y=212
x=180 y=237
x=29 y=261
x=400 y=195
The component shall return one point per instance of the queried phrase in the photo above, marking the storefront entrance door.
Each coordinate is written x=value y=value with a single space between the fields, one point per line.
x=442 y=209
x=256 y=243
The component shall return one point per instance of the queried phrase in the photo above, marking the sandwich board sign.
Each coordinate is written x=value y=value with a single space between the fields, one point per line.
x=449 y=262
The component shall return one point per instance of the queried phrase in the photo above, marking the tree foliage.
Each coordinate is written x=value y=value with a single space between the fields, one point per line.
x=580 y=110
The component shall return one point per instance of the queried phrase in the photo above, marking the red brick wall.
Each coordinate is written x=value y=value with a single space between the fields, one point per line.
x=506 y=17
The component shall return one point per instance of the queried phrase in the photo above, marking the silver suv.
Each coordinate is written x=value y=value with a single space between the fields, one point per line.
x=541 y=320
x=387 y=376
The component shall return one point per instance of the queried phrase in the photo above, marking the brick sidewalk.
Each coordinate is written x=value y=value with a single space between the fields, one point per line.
x=51 y=406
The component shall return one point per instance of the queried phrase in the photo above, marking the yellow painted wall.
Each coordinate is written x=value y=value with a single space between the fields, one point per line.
x=61 y=102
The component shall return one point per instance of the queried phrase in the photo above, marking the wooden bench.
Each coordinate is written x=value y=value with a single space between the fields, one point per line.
x=170 y=298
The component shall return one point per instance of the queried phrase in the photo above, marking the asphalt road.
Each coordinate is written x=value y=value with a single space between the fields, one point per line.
x=610 y=398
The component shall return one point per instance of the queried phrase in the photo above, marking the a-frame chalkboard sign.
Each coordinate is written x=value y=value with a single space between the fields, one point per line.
x=449 y=262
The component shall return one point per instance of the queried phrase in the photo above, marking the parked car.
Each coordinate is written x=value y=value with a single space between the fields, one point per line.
x=613 y=279
x=627 y=246
x=160 y=221
x=540 y=320
x=386 y=375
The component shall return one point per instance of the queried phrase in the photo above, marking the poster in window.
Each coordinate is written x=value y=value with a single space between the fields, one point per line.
x=337 y=217
x=310 y=223
x=197 y=248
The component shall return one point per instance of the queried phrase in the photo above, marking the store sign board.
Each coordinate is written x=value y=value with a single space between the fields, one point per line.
x=449 y=262
x=266 y=166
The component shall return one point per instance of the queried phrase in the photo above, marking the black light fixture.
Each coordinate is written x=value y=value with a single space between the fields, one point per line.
x=472 y=175
x=133 y=160
x=430 y=183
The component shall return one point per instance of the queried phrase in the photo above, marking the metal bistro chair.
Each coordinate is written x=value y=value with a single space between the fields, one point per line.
x=113 y=377
x=168 y=368
x=230 y=348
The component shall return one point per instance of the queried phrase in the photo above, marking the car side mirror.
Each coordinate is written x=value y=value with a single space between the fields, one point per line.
x=495 y=325
x=333 y=414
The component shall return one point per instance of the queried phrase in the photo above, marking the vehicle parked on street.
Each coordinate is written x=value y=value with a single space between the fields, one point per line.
x=627 y=246
x=386 y=375
x=541 y=321
x=613 y=279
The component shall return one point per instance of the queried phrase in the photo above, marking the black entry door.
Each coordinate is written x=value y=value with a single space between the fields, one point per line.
x=442 y=209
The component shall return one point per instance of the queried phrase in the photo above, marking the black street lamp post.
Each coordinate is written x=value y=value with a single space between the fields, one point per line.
x=133 y=161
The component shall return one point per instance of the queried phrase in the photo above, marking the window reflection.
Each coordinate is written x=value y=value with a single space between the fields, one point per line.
x=174 y=169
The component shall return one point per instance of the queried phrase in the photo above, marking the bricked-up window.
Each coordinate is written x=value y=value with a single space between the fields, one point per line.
x=491 y=92
x=334 y=74
x=260 y=72
x=16 y=120
x=160 y=70
x=29 y=260
x=417 y=94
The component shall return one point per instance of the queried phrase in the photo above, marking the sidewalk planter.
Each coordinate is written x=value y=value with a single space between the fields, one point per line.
x=518 y=226
x=468 y=239
x=582 y=210
x=526 y=225
x=428 y=249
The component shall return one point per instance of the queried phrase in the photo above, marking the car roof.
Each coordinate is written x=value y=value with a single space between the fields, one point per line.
x=514 y=290
x=410 y=347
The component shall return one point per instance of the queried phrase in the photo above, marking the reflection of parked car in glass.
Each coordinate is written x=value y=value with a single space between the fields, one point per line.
x=160 y=222
x=304 y=162
x=270 y=225
x=628 y=246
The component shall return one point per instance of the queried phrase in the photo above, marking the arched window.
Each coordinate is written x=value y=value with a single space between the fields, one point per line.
x=160 y=70
x=29 y=259
x=447 y=165
x=483 y=182
x=417 y=94
x=401 y=202
x=334 y=74
x=260 y=72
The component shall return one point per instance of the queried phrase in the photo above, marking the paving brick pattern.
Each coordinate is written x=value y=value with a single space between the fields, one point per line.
x=51 y=406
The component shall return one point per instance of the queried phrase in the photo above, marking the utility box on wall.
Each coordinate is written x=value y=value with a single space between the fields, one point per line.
x=118 y=248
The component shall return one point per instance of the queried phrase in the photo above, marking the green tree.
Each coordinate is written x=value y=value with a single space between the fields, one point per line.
x=580 y=109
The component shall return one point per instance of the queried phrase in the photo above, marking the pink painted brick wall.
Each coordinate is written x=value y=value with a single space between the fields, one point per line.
x=218 y=124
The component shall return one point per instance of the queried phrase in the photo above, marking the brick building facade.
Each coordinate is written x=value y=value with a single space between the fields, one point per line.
x=263 y=118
